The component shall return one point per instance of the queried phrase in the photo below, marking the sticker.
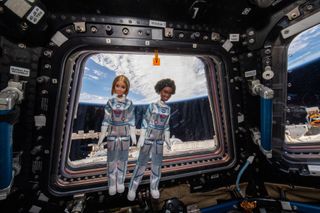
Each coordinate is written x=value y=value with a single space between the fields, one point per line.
x=250 y=73
x=155 y=23
x=59 y=38
x=40 y=120
x=234 y=37
x=286 y=206
x=240 y=118
x=44 y=104
x=246 y=11
x=314 y=169
x=156 y=62
x=35 y=209
x=312 y=109
x=19 y=7
x=42 y=197
x=108 y=40
x=54 y=81
x=156 y=34
x=35 y=15
x=227 y=45
x=195 y=12
x=19 y=71
x=156 y=59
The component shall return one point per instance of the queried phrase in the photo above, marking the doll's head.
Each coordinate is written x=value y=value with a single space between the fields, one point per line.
x=120 y=85
x=165 y=88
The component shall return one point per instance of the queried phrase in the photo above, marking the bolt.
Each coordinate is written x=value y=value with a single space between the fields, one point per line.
x=68 y=30
x=94 y=29
x=215 y=36
x=47 y=66
x=251 y=33
x=251 y=40
x=293 y=15
x=234 y=59
x=286 y=31
x=125 y=31
x=24 y=26
x=309 y=7
x=238 y=79
x=267 y=51
x=22 y=46
x=47 y=53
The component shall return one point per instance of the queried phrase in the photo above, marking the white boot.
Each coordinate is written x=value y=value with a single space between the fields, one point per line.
x=112 y=190
x=131 y=195
x=155 y=193
x=120 y=188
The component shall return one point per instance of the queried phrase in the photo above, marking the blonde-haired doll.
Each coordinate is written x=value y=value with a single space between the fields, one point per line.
x=118 y=126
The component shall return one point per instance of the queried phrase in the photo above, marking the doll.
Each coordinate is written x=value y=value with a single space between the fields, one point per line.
x=154 y=132
x=118 y=125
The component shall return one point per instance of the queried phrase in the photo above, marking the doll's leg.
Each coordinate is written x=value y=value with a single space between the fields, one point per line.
x=139 y=170
x=156 y=156
x=122 y=163
x=112 y=165
x=112 y=177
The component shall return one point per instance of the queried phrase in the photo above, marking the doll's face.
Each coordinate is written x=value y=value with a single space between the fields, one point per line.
x=165 y=93
x=120 y=88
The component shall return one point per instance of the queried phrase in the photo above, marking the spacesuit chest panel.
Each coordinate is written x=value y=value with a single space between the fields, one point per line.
x=119 y=112
x=159 y=117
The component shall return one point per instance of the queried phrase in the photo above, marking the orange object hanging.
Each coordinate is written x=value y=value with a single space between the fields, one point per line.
x=156 y=59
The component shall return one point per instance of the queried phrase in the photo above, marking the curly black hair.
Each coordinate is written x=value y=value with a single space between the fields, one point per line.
x=165 y=83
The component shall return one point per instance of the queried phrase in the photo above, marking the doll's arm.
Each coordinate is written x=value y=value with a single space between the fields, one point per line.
x=167 y=139
x=131 y=122
x=167 y=133
x=105 y=122
x=144 y=126
x=103 y=134
x=142 y=137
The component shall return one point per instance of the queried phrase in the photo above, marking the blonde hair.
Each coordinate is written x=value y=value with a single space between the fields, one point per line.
x=121 y=78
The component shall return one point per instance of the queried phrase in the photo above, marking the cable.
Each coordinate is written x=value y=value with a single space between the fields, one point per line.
x=248 y=162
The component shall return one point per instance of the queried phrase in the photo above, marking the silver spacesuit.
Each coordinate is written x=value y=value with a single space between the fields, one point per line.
x=154 y=131
x=118 y=125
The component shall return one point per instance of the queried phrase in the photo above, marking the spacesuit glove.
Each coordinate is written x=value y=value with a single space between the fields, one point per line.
x=133 y=135
x=142 y=137
x=167 y=139
x=103 y=134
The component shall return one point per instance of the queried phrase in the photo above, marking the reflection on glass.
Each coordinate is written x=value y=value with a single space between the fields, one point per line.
x=303 y=115
x=191 y=122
